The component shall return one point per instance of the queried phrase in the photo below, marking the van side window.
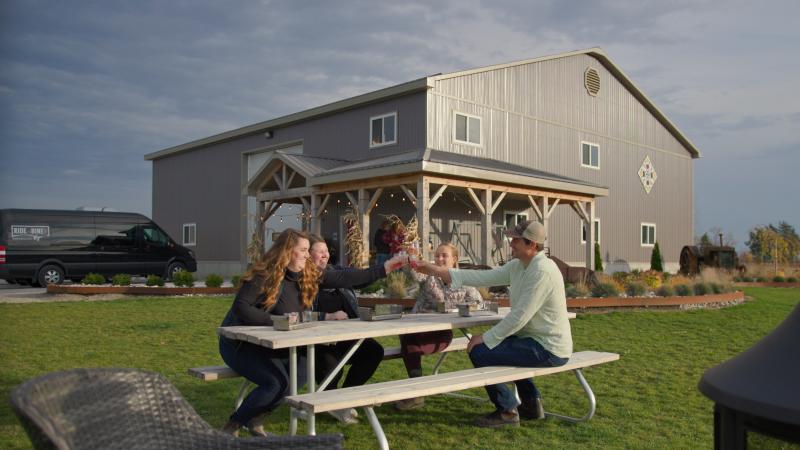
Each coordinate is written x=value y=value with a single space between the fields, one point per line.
x=154 y=236
x=116 y=235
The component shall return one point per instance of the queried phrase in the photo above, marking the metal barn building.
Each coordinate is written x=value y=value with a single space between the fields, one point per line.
x=567 y=139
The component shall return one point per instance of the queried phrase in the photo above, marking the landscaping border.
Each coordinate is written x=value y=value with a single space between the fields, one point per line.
x=138 y=290
x=597 y=302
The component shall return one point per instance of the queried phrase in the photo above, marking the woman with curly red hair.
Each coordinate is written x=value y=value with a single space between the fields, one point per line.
x=284 y=280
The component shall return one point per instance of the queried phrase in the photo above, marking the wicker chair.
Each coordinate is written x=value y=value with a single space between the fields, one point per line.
x=127 y=409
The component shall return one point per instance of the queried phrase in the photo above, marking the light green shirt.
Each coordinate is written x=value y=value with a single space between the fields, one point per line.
x=538 y=302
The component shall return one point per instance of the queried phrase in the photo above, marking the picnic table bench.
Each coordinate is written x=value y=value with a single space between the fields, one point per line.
x=369 y=395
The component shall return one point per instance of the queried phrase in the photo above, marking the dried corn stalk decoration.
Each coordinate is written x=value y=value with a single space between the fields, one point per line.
x=354 y=240
x=409 y=231
x=255 y=249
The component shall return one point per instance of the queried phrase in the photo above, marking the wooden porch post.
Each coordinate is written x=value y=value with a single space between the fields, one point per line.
x=486 y=227
x=423 y=216
x=590 y=238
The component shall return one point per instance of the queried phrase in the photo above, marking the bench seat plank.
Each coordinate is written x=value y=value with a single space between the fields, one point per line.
x=213 y=373
x=390 y=391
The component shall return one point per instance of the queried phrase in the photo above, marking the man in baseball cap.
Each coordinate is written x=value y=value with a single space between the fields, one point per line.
x=535 y=333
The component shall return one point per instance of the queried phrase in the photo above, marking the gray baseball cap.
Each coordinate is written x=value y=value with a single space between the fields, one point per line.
x=531 y=230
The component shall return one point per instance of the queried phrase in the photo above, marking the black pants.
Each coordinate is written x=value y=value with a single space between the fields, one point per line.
x=363 y=364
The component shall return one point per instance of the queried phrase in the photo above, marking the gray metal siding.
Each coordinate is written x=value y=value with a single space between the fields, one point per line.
x=538 y=114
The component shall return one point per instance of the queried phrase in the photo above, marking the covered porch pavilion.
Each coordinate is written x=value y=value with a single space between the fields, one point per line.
x=422 y=177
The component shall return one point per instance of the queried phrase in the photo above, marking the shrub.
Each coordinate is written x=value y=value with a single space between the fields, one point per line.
x=598 y=258
x=213 y=280
x=656 y=262
x=778 y=279
x=121 y=279
x=701 y=288
x=665 y=290
x=622 y=277
x=605 y=289
x=577 y=290
x=235 y=280
x=716 y=288
x=183 y=278
x=761 y=279
x=791 y=280
x=93 y=278
x=683 y=290
x=378 y=285
x=154 y=280
x=651 y=278
x=635 y=289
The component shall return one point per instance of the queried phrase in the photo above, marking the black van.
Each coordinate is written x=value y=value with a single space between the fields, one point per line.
x=48 y=246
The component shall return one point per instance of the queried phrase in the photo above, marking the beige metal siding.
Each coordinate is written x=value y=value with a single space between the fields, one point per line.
x=538 y=114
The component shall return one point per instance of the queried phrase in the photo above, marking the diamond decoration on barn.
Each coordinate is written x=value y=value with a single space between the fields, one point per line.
x=648 y=175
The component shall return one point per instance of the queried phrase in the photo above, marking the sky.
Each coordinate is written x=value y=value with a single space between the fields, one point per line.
x=87 y=88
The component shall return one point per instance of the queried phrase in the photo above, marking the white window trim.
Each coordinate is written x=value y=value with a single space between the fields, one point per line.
x=183 y=234
x=383 y=116
x=599 y=228
x=580 y=153
x=655 y=234
x=515 y=213
x=480 y=129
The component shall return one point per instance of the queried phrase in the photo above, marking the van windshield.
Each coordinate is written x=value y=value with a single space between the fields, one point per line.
x=154 y=236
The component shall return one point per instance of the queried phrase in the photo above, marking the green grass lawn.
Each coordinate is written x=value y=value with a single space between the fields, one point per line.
x=647 y=399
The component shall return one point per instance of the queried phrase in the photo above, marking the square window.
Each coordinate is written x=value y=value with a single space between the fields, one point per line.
x=596 y=231
x=648 y=234
x=467 y=129
x=383 y=130
x=590 y=155
x=514 y=218
x=189 y=234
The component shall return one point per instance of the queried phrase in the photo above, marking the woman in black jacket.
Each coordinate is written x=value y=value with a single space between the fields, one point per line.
x=284 y=280
x=341 y=304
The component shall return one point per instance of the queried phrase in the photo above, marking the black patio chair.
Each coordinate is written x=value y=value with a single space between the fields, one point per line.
x=127 y=409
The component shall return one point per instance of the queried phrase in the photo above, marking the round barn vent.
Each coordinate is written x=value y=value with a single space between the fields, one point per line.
x=591 y=79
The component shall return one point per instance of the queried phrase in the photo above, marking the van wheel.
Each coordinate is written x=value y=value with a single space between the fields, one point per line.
x=174 y=268
x=51 y=275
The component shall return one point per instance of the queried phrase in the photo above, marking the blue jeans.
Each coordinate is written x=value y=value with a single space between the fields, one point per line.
x=514 y=351
x=381 y=258
x=267 y=368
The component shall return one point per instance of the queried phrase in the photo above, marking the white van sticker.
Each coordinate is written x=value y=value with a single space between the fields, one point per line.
x=29 y=232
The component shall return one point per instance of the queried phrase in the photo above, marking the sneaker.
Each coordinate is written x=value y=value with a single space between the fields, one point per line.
x=531 y=410
x=344 y=416
x=409 y=404
x=498 y=419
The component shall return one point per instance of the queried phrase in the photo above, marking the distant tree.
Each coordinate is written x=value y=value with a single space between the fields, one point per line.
x=727 y=237
x=656 y=262
x=789 y=234
x=704 y=240
x=768 y=245
x=598 y=259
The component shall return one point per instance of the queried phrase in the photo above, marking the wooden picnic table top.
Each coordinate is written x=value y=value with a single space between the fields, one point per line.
x=346 y=330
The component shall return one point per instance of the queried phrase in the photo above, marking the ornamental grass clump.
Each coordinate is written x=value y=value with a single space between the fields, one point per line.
x=376 y=286
x=576 y=290
x=154 y=280
x=396 y=285
x=701 y=288
x=183 y=279
x=778 y=279
x=651 y=278
x=605 y=289
x=235 y=280
x=214 y=281
x=93 y=278
x=683 y=290
x=636 y=289
x=121 y=279
x=665 y=290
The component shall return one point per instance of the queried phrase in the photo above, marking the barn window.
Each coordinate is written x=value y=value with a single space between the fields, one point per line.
x=596 y=231
x=590 y=155
x=648 y=234
x=190 y=234
x=383 y=130
x=467 y=129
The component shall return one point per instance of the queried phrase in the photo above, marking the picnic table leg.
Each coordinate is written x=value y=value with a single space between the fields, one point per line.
x=339 y=366
x=376 y=427
x=292 y=388
x=442 y=356
x=242 y=393
x=312 y=422
x=592 y=401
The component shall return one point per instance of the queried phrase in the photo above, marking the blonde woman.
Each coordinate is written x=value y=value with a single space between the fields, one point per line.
x=433 y=292
x=285 y=280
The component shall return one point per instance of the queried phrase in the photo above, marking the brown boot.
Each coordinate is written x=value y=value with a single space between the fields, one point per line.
x=232 y=428
x=409 y=404
x=256 y=425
